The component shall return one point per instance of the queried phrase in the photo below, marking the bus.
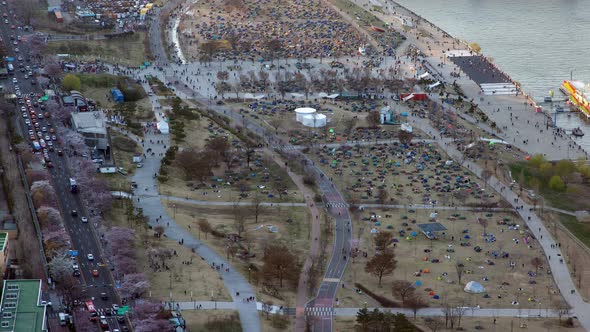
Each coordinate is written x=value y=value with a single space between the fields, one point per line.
x=91 y=309
x=73 y=185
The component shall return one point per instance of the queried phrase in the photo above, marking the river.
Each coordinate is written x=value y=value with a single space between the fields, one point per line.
x=537 y=43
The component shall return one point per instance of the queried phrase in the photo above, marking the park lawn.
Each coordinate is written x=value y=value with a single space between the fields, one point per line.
x=212 y=320
x=198 y=277
x=276 y=323
x=129 y=50
x=442 y=278
x=263 y=171
x=362 y=170
x=295 y=235
x=580 y=229
x=357 y=12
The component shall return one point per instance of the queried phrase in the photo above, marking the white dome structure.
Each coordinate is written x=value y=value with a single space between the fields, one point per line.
x=314 y=120
x=474 y=287
x=303 y=111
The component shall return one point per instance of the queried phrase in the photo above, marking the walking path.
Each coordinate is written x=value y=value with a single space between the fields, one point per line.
x=352 y=312
x=147 y=197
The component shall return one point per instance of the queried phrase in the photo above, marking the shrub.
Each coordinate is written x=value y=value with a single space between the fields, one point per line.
x=382 y=300
x=556 y=183
x=309 y=180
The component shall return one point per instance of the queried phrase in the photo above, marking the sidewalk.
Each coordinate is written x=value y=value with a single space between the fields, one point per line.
x=148 y=198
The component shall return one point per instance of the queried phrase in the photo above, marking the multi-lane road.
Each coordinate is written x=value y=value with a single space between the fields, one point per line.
x=82 y=234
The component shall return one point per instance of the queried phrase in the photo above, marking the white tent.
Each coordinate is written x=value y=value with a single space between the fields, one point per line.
x=474 y=287
x=248 y=95
x=297 y=95
x=410 y=96
x=407 y=127
x=314 y=120
x=163 y=127
x=322 y=95
x=303 y=111
x=434 y=85
x=424 y=75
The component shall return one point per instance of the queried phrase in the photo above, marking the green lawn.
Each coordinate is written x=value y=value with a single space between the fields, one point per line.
x=580 y=229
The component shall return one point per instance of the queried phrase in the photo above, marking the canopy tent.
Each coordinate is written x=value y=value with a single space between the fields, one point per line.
x=163 y=127
x=314 y=120
x=251 y=96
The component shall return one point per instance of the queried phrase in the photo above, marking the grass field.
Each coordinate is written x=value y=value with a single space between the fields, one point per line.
x=129 y=50
x=212 y=320
x=415 y=255
x=294 y=234
x=182 y=282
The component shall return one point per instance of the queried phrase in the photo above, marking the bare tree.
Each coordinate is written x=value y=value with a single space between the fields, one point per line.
x=257 y=207
x=415 y=302
x=204 y=226
x=536 y=262
x=460 y=268
x=373 y=119
x=381 y=265
x=276 y=123
x=382 y=240
x=402 y=289
x=240 y=217
x=433 y=323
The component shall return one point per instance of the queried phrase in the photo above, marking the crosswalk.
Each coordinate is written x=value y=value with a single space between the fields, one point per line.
x=319 y=311
x=337 y=204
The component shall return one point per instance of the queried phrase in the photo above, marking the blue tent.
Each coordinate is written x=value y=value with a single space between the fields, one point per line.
x=117 y=95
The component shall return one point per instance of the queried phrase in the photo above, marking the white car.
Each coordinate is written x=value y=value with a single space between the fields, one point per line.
x=84 y=219
x=14 y=80
x=90 y=257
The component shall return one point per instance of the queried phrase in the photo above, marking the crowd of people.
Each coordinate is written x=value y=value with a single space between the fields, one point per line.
x=305 y=29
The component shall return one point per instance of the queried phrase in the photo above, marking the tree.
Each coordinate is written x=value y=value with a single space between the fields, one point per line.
x=207 y=51
x=536 y=262
x=134 y=285
x=382 y=240
x=82 y=321
x=486 y=174
x=276 y=123
x=433 y=323
x=415 y=302
x=60 y=267
x=204 y=226
x=382 y=196
x=279 y=263
x=382 y=264
x=219 y=146
x=565 y=169
x=257 y=207
x=373 y=119
x=475 y=47
x=405 y=137
x=556 y=183
x=71 y=82
x=36 y=46
x=484 y=224
x=26 y=9
x=240 y=216
x=460 y=268
x=402 y=289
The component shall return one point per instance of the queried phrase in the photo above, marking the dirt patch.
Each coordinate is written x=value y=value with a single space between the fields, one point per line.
x=205 y=320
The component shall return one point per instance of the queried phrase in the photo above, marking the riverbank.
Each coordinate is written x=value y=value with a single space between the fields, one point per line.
x=514 y=115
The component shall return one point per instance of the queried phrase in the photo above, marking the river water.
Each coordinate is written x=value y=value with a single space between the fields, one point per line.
x=539 y=43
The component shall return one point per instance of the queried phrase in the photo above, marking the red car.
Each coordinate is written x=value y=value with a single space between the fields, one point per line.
x=95 y=273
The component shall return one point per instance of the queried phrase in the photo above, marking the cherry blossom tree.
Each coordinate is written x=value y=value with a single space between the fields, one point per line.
x=48 y=216
x=43 y=193
x=134 y=285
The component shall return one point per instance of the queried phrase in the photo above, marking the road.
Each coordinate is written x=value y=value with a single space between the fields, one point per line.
x=82 y=234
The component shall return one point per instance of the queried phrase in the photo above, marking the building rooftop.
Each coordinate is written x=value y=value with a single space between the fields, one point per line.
x=21 y=308
x=90 y=122
x=3 y=240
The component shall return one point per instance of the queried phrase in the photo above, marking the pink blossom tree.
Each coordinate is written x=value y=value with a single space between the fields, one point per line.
x=134 y=285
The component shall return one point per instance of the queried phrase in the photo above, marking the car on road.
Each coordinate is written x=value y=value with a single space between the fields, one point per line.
x=47 y=138
x=40 y=134
x=14 y=80
x=75 y=266
x=16 y=49
x=104 y=296
x=115 y=306
x=95 y=273
x=44 y=129
x=140 y=165
x=77 y=273
x=103 y=322
x=90 y=257
x=74 y=213
x=60 y=152
x=84 y=219
x=49 y=164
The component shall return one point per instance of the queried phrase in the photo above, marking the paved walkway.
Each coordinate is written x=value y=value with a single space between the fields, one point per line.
x=351 y=312
x=147 y=197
